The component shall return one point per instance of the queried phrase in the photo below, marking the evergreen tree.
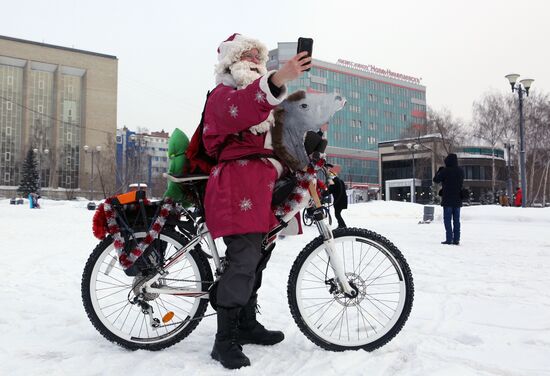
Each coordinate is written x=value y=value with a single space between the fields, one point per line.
x=29 y=179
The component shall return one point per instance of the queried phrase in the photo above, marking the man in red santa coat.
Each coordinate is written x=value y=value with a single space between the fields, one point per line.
x=237 y=120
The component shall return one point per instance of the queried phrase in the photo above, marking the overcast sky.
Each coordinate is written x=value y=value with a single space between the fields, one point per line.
x=167 y=49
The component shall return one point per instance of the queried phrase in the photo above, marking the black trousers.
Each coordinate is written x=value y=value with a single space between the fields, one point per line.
x=243 y=276
x=338 y=215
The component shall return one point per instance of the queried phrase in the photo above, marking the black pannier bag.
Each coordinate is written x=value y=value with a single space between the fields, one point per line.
x=133 y=217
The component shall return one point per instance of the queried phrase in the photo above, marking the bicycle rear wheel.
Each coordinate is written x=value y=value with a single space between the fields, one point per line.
x=106 y=292
x=375 y=269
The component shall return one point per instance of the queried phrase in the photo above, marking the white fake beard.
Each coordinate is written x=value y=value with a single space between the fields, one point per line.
x=244 y=74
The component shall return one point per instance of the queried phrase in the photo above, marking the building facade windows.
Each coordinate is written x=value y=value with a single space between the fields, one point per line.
x=477 y=172
x=336 y=120
x=11 y=122
x=40 y=87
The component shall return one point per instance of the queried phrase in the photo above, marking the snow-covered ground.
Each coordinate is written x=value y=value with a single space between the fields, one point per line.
x=482 y=308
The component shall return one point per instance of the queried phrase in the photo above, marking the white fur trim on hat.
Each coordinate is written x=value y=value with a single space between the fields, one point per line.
x=230 y=51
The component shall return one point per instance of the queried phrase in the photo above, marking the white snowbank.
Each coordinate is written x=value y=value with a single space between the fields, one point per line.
x=482 y=308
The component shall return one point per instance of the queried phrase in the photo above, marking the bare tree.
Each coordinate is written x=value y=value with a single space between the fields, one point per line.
x=158 y=186
x=106 y=167
x=452 y=130
x=490 y=125
x=537 y=141
x=496 y=121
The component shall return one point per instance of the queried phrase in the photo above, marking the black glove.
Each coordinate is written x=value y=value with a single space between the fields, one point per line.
x=326 y=197
x=314 y=142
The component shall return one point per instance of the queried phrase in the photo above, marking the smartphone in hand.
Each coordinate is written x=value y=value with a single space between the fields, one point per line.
x=305 y=44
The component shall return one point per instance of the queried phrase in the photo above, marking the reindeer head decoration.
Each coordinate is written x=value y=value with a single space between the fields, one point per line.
x=299 y=113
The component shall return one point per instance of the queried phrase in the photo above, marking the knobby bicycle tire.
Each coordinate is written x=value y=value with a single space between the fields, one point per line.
x=395 y=258
x=205 y=274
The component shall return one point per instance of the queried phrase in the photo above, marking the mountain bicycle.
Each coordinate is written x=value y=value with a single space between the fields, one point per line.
x=348 y=289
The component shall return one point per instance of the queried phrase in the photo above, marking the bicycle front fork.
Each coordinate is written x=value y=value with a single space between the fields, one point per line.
x=335 y=260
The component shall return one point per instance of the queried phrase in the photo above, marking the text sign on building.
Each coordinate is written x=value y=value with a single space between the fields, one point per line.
x=374 y=69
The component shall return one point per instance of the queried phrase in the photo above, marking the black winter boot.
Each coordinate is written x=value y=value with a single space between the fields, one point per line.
x=251 y=331
x=226 y=348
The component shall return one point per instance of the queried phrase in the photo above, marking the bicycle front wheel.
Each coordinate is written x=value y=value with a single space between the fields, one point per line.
x=106 y=292
x=375 y=269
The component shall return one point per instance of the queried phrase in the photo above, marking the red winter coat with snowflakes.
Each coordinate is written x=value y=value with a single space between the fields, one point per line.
x=238 y=193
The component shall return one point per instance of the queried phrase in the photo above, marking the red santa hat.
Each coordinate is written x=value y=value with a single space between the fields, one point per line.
x=231 y=49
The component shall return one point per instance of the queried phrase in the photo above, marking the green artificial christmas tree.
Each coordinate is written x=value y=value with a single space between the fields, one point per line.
x=29 y=178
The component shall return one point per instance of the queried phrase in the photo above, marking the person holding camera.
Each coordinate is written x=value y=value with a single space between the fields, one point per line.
x=451 y=178
x=237 y=119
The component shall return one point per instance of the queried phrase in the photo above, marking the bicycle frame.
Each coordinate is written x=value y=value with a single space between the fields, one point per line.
x=203 y=233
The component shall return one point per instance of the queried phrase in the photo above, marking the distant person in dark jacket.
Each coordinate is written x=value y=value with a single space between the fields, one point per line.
x=338 y=191
x=451 y=177
x=519 y=197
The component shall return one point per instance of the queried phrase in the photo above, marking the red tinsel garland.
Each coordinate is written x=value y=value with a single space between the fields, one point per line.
x=99 y=223
x=297 y=196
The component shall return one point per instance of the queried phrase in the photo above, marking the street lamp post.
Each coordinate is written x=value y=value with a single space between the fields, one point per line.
x=522 y=87
x=508 y=145
x=412 y=147
x=39 y=153
x=92 y=152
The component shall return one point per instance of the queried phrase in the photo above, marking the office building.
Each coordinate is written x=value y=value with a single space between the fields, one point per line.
x=381 y=105
x=54 y=100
